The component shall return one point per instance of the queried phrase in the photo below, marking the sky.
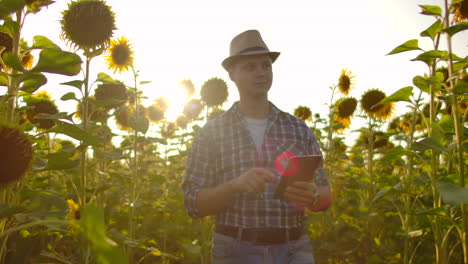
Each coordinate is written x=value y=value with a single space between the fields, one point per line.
x=186 y=39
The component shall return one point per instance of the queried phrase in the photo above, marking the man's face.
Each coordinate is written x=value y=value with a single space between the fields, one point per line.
x=252 y=75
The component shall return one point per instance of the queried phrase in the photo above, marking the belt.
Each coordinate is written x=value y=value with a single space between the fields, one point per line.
x=261 y=236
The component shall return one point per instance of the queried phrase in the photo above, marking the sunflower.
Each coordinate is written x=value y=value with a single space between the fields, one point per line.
x=74 y=212
x=369 y=102
x=27 y=60
x=426 y=108
x=380 y=139
x=168 y=130
x=162 y=103
x=154 y=113
x=182 y=121
x=95 y=113
x=193 y=109
x=303 y=112
x=214 y=92
x=88 y=24
x=120 y=55
x=38 y=106
x=408 y=119
x=344 y=109
x=189 y=87
x=394 y=125
x=125 y=114
x=112 y=91
x=15 y=154
x=6 y=41
x=214 y=114
x=461 y=11
x=345 y=82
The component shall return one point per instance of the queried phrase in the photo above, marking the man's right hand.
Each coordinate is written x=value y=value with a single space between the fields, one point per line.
x=253 y=180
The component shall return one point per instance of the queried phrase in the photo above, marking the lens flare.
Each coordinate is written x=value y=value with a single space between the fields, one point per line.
x=286 y=164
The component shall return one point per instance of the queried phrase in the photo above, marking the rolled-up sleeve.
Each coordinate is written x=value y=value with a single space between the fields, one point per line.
x=199 y=173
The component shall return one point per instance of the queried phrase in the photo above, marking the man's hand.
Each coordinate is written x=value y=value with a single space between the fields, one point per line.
x=253 y=180
x=302 y=193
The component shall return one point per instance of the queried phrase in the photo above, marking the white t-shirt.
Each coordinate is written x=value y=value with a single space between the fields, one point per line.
x=257 y=129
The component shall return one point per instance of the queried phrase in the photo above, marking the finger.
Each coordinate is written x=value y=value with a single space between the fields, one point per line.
x=298 y=198
x=266 y=174
x=301 y=184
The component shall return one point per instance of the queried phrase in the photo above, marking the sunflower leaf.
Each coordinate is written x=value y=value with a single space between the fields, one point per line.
x=93 y=226
x=3 y=79
x=401 y=95
x=77 y=83
x=140 y=124
x=9 y=6
x=396 y=153
x=407 y=46
x=76 y=133
x=433 y=30
x=456 y=28
x=69 y=96
x=452 y=193
x=32 y=81
x=60 y=161
x=41 y=42
x=430 y=56
x=10 y=27
x=58 y=61
x=427 y=143
x=12 y=60
x=102 y=77
x=7 y=210
x=431 y=10
x=461 y=87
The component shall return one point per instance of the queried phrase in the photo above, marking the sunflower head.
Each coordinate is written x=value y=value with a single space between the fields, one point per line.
x=345 y=82
x=88 y=24
x=380 y=139
x=6 y=41
x=189 y=87
x=120 y=55
x=303 y=112
x=407 y=121
x=95 y=113
x=162 y=103
x=125 y=114
x=214 y=92
x=112 y=91
x=369 y=103
x=15 y=154
x=193 y=109
x=461 y=10
x=394 y=125
x=215 y=113
x=182 y=121
x=154 y=113
x=38 y=105
x=74 y=210
x=168 y=130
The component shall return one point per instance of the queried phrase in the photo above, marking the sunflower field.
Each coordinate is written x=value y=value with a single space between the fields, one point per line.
x=69 y=194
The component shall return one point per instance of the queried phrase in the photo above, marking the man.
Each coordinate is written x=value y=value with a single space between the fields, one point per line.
x=232 y=172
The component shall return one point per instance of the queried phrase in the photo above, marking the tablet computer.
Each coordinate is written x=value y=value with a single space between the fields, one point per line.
x=297 y=168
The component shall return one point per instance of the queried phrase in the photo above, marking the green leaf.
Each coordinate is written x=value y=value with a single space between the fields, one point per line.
x=144 y=82
x=396 y=153
x=446 y=123
x=433 y=30
x=431 y=211
x=77 y=83
x=140 y=124
x=403 y=94
x=456 y=28
x=430 y=56
x=407 y=46
x=76 y=133
x=12 y=60
x=453 y=194
x=461 y=87
x=7 y=210
x=60 y=161
x=387 y=192
x=431 y=10
x=10 y=27
x=32 y=81
x=41 y=42
x=3 y=79
x=102 y=77
x=422 y=83
x=69 y=96
x=10 y=6
x=93 y=227
x=427 y=143
x=58 y=61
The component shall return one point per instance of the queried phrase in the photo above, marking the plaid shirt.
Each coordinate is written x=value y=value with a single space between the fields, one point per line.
x=224 y=149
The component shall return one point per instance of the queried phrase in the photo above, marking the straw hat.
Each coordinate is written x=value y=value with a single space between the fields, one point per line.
x=246 y=43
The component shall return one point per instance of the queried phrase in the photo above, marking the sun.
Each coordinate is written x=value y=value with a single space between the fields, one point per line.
x=176 y=98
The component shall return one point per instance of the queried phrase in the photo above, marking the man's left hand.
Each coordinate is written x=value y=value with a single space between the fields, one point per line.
x=302 y=193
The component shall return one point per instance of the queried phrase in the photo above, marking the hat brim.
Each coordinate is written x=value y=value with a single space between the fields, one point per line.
x=228 y=61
